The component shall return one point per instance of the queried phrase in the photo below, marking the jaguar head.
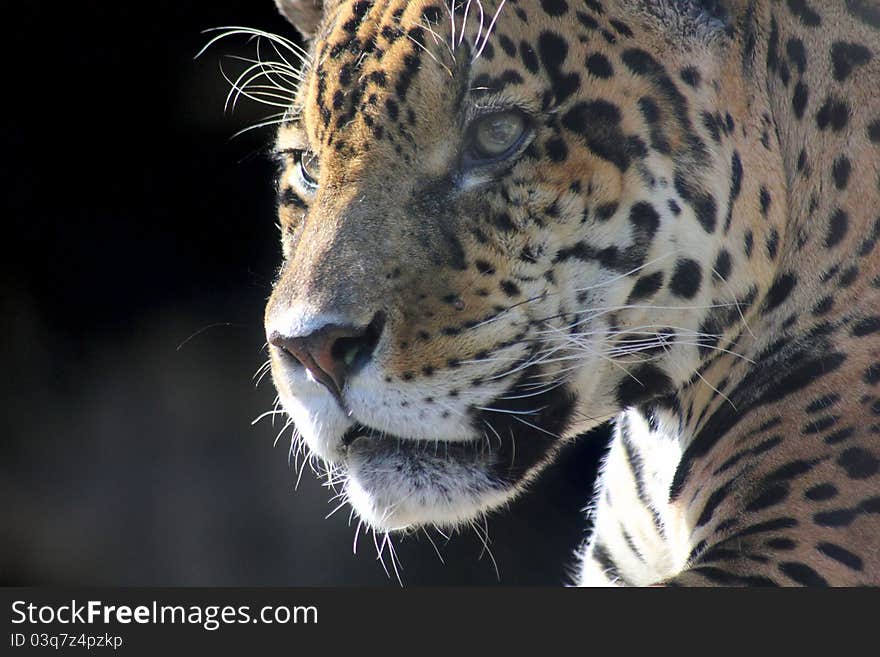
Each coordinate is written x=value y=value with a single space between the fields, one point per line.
x=501 y=224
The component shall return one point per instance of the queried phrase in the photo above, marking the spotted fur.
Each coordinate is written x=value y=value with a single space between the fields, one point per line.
x=686 y=241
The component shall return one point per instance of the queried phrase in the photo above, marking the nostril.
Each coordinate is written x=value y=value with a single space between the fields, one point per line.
x=282 y=343
x=355 y=351
x=333 y=352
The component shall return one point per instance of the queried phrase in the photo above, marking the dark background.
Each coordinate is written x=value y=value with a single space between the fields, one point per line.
x=138 y=249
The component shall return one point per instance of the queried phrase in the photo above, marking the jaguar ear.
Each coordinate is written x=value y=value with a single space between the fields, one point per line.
x=304 y=15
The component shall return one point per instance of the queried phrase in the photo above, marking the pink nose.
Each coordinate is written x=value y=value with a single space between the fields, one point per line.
x=333 y=352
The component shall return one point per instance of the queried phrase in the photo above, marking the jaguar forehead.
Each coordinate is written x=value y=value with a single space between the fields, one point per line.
x=371 y=59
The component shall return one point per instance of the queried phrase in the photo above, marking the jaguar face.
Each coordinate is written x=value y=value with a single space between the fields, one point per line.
x=491 y=243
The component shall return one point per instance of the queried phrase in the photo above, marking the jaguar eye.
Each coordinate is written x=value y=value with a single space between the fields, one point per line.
x=497 y=135
x=309 y=168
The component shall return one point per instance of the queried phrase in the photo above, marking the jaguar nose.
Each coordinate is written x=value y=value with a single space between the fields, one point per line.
x=333 y=352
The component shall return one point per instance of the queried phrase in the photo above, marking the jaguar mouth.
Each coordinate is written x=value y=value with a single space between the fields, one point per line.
x=458 y=449
x=515 y=432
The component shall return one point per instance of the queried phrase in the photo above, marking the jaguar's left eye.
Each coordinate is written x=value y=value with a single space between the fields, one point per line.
x=497 y=135
x=309 y=168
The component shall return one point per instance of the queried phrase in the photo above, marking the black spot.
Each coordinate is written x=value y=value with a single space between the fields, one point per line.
x=834 y=112
x=599 y=66
x=817 y=426
x=721 y=268
x=595 y=5
x=802 y=160
x=529 y=58
x=799 y=572
x=872 y=374
x=432 y=14
x=703 y=204
x=736 y=175
x=841 y=555
x=508 y=46
x=598 y=122
x=649 y=109
x=291 y=198
x=621 y=28
x=767 y=526
x=646 y=286
x=484 y=267
x=799 y=99
x=794 y=48
x=691 y=76
x=839 y=436
x=824 y=306
x=553 y=51
x=784 y=73
x=866 y=326
x=640 y=62
x=393 y=108
x=770 y=497
x=711 y=124
x=866 y=11
x=780 y=544
x=773 y=45
x=821 y=492
x=503 y=222
x=587 y=21
x=554 y=7
x=837 y=227
x=411 y=65
x=713 y=502
x=644 y=219
x=606 y=211
x=556 y=149
x=874 y=131
x=858 y=463
x=804 y=12
x=510 y=288
x=686 y=279
x=840 y=171
x=846 y=56
x=835 y=518
x=790 y=470
x=760 y=448
x=748 y=243
x=646 y=382
x=764 y=197
x=822 y=403
x=772 y=244
x=605 y=560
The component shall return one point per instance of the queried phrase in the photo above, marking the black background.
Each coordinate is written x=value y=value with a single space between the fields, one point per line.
x=139 y=248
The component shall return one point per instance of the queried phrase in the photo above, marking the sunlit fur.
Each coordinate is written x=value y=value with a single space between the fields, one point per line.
x=656 y=244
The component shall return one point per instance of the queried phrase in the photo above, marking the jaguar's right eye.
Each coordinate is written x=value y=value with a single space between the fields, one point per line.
x=308 y=168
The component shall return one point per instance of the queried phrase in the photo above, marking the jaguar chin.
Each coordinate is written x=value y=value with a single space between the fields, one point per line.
x=403 y=472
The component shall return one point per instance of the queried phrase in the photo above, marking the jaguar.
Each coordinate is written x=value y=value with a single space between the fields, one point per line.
x=504 y=223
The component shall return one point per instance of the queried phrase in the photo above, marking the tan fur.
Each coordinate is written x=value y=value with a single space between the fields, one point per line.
x=473 y=273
